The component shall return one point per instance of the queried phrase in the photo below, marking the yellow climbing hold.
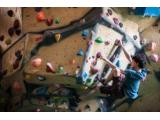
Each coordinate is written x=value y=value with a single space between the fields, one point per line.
x=8 y=41
x=57 y=37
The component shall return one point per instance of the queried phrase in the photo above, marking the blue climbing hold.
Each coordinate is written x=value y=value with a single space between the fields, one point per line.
x=85 y=33
x=80 y=52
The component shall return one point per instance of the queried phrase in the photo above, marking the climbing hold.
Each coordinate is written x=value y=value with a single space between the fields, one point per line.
x=120 y=25
x=16 y=24
x=80 y=52
x=16 y=64
x=154 y=57
x=57 y=37
x=38 y=9
x=18 y=32
x=73 y=61
x=10 y=13
x=39 y=39
x=93 y=70
x=107 y=43
x=26 y=76
x=36 y=62
x=57 y=20
x=116 y=42
x=11 y=31
x=109 y=11
x=151 y=46
x=99 y=40
x=17 y=86
x=49 y=21
x=50 y=68
x=8 y=41
x=18 y=55
x=82 y=21
x=90 y=42
x=116 y=21
x=41 y=78
x=85 y=75
x=85 y=33
x=40 y=16
x=98 y=55
x=60 y=69
x=135 y=37
x=89 y=82
x=107 y=14
x=1 y=37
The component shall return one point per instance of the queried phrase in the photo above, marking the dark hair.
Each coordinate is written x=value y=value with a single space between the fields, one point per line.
x=140 y=59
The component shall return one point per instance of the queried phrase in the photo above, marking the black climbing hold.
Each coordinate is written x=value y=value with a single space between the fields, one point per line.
x=38 y=9
x=1 y=37
x=18 y=55
x=18 y=32
x=10 y=13
x=11 y=31
x=120 y=24
x=16 y=24
x=135 y=37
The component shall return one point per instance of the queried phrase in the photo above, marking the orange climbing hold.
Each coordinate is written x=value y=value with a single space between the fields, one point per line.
x=41 y=16
x=57 y=37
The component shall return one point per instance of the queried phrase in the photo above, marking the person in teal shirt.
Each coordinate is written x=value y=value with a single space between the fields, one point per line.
x=129 y=85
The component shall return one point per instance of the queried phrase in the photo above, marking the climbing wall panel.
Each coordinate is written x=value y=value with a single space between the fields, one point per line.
x=10 y=31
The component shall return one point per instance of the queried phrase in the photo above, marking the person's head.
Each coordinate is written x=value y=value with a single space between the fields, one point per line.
x=139 y=61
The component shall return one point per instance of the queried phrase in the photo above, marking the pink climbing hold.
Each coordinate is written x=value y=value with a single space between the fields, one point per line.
x=151 y=46
x=36 y=62
x=50 y=68
x=93 y=70
x=154 y=57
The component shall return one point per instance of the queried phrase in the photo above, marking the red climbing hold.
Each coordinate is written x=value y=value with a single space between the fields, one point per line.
x=16 y=24
x=49 y=68
x=11 y=31
x=16 y=64
x=39 y=39
x=18 y=32
x=40 y=16
x=17 y=86
x=49 y=21
x=1 y=37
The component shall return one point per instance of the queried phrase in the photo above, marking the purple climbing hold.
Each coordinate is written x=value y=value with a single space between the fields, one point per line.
x=109 y=11
x=107 y=43
x=38 y=9
x=116 y=21
x=98 y=55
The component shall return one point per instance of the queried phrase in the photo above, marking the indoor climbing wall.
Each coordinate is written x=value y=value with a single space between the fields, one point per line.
x=10 y=31
x=64 y=57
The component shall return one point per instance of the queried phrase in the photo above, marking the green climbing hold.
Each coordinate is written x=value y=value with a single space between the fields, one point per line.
x=8 y=41
x=99 y=40
x=57 y=20
x=60 y=69
x=89 y=82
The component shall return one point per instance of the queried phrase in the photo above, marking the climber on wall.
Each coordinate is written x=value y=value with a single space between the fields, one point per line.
x=126 y=83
